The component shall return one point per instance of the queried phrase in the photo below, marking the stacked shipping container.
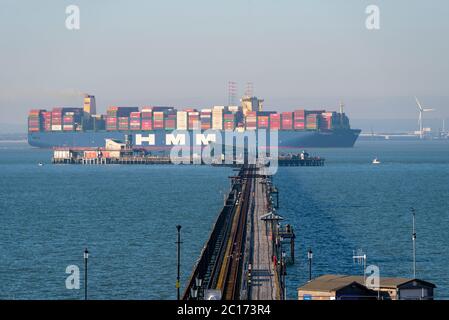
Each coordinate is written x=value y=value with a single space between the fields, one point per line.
x=56 y=119
x=286 y=118
x=170 y=121
x=206 y=119
x=47 y=120
x=194 y=120
x=68 y=121
x=275 y=121
x=111 y=118
x=326 y=121
x=299 y=120
x=217 y=118
x=72 y=118
x=251 y=120
x=312 y=121
x=229 y=121
x=158 y=120
x=118 y=117
x=147 y=118
x=135 y=121
x=123 y=123
x=263 y=122
x=35 y=120
x=167 y=118
x=181 y=120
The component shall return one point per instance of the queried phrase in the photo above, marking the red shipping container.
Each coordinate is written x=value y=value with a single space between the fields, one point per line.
x=146 y=115
x=170 y=124
x=158 y=124
x=286 y=121
x=263 y=122
x=299 y=125
x=275 y=119
x=147 y=124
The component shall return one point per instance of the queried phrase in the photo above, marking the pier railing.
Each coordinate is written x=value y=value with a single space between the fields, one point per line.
x=206 y=267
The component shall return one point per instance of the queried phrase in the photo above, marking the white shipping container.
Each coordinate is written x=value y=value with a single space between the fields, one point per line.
x=233 y=108
x=56 y=127
x=61 y=154
x=181 y=120
x=217 y=119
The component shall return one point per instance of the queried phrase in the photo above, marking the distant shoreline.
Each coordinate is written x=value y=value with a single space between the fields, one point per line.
x=14 y=141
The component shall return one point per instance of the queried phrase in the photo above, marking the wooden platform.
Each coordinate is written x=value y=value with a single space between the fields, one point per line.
x=264 y=284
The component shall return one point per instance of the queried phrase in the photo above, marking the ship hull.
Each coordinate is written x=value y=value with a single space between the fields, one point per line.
x=344 y=138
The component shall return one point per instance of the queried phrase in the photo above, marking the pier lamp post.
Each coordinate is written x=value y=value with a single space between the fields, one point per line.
x=86 y=257
x=414 y=242
x=178 y=283
x=284 y=273
x=310 y=257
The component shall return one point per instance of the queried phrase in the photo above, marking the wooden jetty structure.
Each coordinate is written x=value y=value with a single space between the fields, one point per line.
x=244 y=259
x=118 y=153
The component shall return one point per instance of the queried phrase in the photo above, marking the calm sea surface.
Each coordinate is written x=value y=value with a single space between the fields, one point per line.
x=126 y=216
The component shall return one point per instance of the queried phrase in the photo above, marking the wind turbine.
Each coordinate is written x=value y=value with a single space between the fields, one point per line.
x=420 y=118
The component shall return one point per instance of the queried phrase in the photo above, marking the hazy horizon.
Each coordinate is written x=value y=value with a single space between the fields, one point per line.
x=297 y=54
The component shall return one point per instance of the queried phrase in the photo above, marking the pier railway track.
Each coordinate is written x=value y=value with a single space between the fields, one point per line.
x=238 y=251
x=230 y=276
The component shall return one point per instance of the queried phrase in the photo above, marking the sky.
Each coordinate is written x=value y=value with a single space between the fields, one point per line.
x=297 y=53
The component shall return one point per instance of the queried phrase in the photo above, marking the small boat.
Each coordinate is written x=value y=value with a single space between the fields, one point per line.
x=376 y=161
x=40 y=164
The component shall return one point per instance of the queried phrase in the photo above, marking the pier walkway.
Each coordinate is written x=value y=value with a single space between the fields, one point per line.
x=263 y=273
x=243 y=257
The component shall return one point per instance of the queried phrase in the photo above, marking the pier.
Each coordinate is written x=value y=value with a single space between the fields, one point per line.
x=243 y=259
x=129 y=156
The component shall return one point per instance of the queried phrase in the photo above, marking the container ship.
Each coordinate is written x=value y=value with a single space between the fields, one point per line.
x=152 y=126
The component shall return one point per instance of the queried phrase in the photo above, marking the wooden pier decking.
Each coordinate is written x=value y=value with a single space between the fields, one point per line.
x=243 y=258
x=264 y=284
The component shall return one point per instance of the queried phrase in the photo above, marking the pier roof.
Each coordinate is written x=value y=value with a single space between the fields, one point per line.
x=331 y=282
